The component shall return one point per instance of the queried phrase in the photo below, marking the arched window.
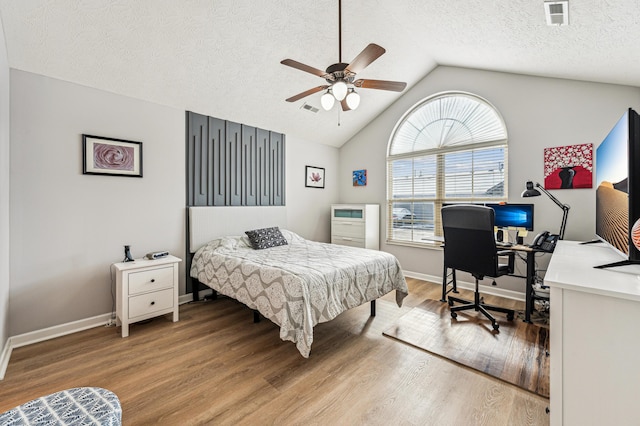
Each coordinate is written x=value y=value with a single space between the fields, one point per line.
x=449 y=148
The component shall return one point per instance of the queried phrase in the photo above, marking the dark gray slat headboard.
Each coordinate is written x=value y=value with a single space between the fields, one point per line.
x=232 y=164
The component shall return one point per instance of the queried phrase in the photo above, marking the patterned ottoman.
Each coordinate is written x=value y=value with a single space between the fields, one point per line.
x=77 y=406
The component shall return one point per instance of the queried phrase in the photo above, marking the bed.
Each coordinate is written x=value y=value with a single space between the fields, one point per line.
x=296 y=285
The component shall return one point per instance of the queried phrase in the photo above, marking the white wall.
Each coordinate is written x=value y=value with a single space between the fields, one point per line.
x=308 y=209
x=4 y=194
x=67 y=228
x=538 y=112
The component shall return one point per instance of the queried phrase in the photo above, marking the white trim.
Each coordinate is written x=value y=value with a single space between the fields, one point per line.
x=62 y=330
x=59 y=330
x=495 y=291
x=4 y=357
x=187 y=298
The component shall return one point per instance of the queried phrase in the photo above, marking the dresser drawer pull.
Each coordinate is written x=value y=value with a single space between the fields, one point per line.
x=347 y=239
x=153 y=303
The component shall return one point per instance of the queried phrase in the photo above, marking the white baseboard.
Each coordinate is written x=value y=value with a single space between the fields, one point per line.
x=58 y=330
x=46 y=334
x=4 y=358
x=495 y=291
x=186 y=298
x=62 y=330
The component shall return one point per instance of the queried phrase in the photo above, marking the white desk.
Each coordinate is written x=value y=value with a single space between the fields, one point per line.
x=595 y=337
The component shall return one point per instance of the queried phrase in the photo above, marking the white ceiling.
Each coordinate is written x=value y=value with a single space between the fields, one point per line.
x=222 y=57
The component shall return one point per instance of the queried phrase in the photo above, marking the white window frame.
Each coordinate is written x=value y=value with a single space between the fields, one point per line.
x=428 y=233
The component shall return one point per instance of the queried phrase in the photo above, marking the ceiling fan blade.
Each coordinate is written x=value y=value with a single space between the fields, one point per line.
x=303 y=67
x=307 y=93
x=368 y=55
x=395 y=86
x=344 y=105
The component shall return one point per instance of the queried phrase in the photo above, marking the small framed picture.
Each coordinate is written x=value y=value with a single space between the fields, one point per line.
x=359 y=178
x=106 y=156
x=314 y=177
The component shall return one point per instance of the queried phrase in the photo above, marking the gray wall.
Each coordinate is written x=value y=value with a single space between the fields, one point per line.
x=4 y=192
x=67 y=228
x=538 y=112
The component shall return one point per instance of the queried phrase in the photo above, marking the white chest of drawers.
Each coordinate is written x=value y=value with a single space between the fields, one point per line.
x=356 y=225
x=146 y=289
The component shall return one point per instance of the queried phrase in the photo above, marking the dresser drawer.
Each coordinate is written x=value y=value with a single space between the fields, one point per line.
x=347 y=241
x=149 y=303
x=151 y=280
x=346 y=229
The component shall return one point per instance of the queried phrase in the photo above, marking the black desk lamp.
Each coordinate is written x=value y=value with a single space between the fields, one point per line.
x=533 y=192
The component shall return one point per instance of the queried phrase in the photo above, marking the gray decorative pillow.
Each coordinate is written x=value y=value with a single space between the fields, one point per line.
x=266 y=238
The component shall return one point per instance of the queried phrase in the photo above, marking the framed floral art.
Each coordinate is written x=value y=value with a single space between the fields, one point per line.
x=314 y=177
x=106 y=156
x=568 y=167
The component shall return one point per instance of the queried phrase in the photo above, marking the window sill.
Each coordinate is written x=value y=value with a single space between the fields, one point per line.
x=430 y=245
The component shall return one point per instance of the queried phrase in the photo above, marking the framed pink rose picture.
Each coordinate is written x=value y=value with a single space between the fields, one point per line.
x=107 y=156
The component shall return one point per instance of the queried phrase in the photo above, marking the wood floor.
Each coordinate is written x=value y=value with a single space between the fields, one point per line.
x=215 y=366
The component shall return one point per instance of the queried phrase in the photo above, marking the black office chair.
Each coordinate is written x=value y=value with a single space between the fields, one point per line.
x=470 y=246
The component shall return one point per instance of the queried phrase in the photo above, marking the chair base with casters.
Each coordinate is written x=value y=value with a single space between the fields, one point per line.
x=477 y=305
x=470 y=246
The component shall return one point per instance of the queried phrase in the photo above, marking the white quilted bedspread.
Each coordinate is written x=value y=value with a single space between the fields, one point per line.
x=300 y=284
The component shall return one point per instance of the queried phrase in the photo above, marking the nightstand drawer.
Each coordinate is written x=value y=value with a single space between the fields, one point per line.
x=149 y=303
x=346 y=229
x=151 y=280
x=347 y=241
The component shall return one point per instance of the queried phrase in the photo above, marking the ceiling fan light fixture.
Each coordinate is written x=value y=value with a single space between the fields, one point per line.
x=353 y=99
x=339 y=90
x=327 y=100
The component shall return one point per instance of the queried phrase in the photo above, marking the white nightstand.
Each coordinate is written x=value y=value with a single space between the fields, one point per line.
x=146 y=289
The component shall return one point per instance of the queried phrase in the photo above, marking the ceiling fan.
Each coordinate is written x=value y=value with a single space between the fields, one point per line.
x=340 y=77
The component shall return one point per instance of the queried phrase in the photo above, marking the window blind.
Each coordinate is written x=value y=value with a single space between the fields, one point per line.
x=448 y=150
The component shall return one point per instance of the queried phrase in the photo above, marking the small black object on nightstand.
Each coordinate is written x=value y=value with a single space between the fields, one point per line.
x=127 y=254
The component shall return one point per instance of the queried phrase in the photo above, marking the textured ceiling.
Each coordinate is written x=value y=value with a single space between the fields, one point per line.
x=222 y=57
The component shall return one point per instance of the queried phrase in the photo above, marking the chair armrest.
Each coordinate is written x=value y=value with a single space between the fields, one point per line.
x=512 y=258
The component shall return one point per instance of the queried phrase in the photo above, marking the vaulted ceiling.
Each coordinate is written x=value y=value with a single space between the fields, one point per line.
x=222 y=57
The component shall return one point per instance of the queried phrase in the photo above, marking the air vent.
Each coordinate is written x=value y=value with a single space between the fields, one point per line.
x=309 y=107
x=557 y=12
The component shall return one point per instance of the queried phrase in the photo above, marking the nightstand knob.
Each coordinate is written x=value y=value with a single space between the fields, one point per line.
x=153 y=280
x=153 y=303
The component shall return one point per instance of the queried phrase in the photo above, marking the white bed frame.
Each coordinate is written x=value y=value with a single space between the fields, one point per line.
x=207 y=223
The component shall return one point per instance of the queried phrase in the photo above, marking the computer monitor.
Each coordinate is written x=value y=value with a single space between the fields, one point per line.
x=513 y=215
x=618 y=189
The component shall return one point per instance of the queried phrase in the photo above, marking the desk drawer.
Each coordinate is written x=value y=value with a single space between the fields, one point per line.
x=347 y=229
x=149 y=303
x=155 y=279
